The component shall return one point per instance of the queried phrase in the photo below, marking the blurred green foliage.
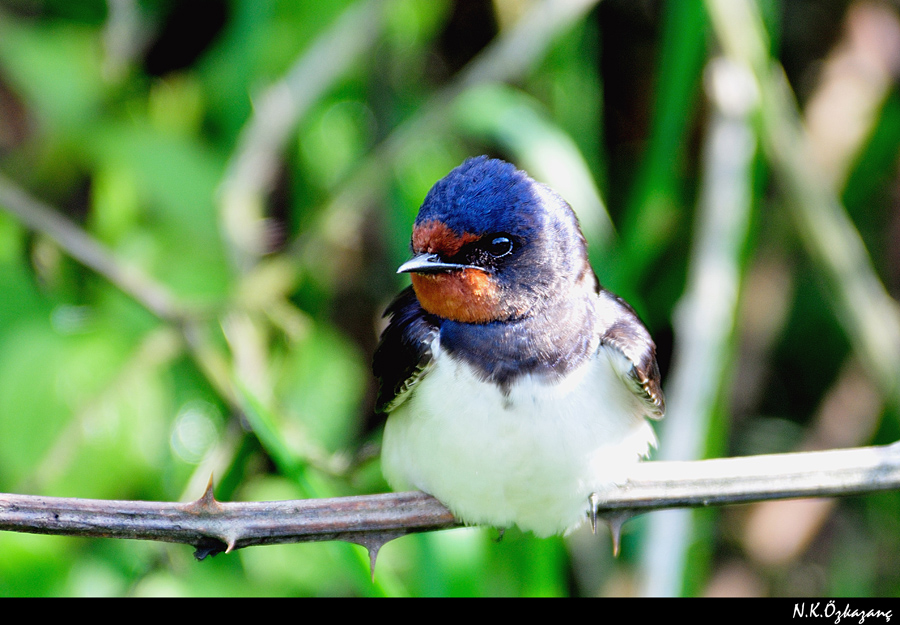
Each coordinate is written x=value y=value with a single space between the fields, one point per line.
x=130 y=118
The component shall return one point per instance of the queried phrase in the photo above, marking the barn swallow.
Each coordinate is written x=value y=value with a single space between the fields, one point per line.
x=517 y=389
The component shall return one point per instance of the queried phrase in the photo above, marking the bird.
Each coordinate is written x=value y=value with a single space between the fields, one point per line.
x=517 y=390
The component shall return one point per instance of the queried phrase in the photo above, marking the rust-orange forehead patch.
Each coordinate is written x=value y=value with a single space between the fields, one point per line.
x=436 y=237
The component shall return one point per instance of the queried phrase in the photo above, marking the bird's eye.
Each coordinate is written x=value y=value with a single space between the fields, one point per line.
x=498 y=245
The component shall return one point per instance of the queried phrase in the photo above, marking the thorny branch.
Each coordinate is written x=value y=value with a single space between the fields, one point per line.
x=213 y=527
x=373 y=520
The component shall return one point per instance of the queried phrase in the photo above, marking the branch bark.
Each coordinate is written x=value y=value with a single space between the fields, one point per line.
x=214 y=527
x=372 y=520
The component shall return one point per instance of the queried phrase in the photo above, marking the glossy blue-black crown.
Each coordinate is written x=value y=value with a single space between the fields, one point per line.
x=485 y=196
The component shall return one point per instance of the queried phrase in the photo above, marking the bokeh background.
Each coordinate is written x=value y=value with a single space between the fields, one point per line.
x=237 y=180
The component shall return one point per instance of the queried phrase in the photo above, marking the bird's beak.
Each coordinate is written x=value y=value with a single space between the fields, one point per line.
x=431 y=263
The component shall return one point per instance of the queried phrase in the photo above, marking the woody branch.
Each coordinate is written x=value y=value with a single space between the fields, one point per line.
x=372 y=520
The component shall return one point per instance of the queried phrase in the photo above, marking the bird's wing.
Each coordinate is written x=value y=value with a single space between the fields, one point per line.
x=404 y=354
x=623 y=332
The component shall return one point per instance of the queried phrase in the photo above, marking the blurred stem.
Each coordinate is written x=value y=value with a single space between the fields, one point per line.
x=265 y=425
x=254 y=164
x=250 y=175
x=150 y=294
x=705 y=316
x=82 y=247
x=869 y=315
x=124 y=37
x=214 y=364
x=507 y=58
x=654 y=206
x=508 y=117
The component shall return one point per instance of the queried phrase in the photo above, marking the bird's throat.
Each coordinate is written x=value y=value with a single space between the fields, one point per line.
x=468 y=296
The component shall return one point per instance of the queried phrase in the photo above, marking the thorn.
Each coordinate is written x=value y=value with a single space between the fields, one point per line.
x=208 y=494
x=373 y=556
x=594 y=500
x=615 y=521
x=615 y=531
x=373 y=542
x=207 y=501
x=230 y=545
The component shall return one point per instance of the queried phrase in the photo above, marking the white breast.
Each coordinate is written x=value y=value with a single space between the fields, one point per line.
x=532 y=458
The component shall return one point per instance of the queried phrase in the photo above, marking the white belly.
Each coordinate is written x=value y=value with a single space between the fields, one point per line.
x=531 y=459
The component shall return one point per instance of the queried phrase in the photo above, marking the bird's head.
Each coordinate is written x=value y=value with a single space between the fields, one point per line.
x=491 y=244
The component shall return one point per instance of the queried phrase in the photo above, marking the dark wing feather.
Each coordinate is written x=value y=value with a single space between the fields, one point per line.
x=623 y=331
x=404 y=354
